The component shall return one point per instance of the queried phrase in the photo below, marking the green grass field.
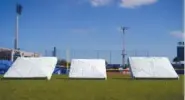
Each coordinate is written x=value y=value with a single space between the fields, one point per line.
x=116 y=87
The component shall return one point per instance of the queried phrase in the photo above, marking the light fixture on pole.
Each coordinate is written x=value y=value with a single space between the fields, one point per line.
x=123 y=51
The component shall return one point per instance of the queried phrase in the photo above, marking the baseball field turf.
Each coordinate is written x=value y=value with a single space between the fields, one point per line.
x=116 y=87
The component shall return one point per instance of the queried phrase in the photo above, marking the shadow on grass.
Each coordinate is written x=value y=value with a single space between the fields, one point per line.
x=156 y=79
x=122 y=78
x=80 y=79
x=24 y=78
x=149 y=79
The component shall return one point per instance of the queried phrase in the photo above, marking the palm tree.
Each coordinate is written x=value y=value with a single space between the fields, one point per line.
x=62 y=62
x=176 y=60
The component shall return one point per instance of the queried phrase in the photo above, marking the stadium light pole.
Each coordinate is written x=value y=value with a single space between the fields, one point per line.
x=16 y=51
x=18 y=13
x=123 y=51
x=16 y=33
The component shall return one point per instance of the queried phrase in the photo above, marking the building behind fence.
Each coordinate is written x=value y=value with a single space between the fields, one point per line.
x=8 y=54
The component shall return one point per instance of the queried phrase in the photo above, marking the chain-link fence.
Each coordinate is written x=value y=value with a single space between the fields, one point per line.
x=111 y=56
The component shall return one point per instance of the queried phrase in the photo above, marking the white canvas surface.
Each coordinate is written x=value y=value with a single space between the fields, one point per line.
x=151 y=67
x=32 y=67
x=88 y=68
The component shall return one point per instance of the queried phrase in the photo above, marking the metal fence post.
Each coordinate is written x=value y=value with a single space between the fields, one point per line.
x=67 y=59
x=110 y=57
x=97 y=54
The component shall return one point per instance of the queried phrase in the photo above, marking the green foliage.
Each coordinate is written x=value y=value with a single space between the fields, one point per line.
x=62 y=62
x=126 y=66
x=106 y=63
x=176 y=60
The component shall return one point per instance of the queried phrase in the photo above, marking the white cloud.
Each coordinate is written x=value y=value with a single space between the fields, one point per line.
x=178 y=34
x=100 y=2
x=122 y=3
x=136 y=3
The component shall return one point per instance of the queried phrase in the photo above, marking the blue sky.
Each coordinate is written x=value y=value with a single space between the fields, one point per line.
x=155 y=26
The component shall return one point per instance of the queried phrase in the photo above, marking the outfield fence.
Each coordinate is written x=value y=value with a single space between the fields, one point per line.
x=111 y=56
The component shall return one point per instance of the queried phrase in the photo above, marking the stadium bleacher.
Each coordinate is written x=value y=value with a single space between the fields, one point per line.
x=5 y=65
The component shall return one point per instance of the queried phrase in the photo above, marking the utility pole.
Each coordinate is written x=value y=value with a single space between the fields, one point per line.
x=123 y=51
x=68 y=59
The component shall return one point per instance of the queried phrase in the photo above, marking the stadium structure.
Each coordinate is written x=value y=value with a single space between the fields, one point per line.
x=180 y=51
x=10 y=54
